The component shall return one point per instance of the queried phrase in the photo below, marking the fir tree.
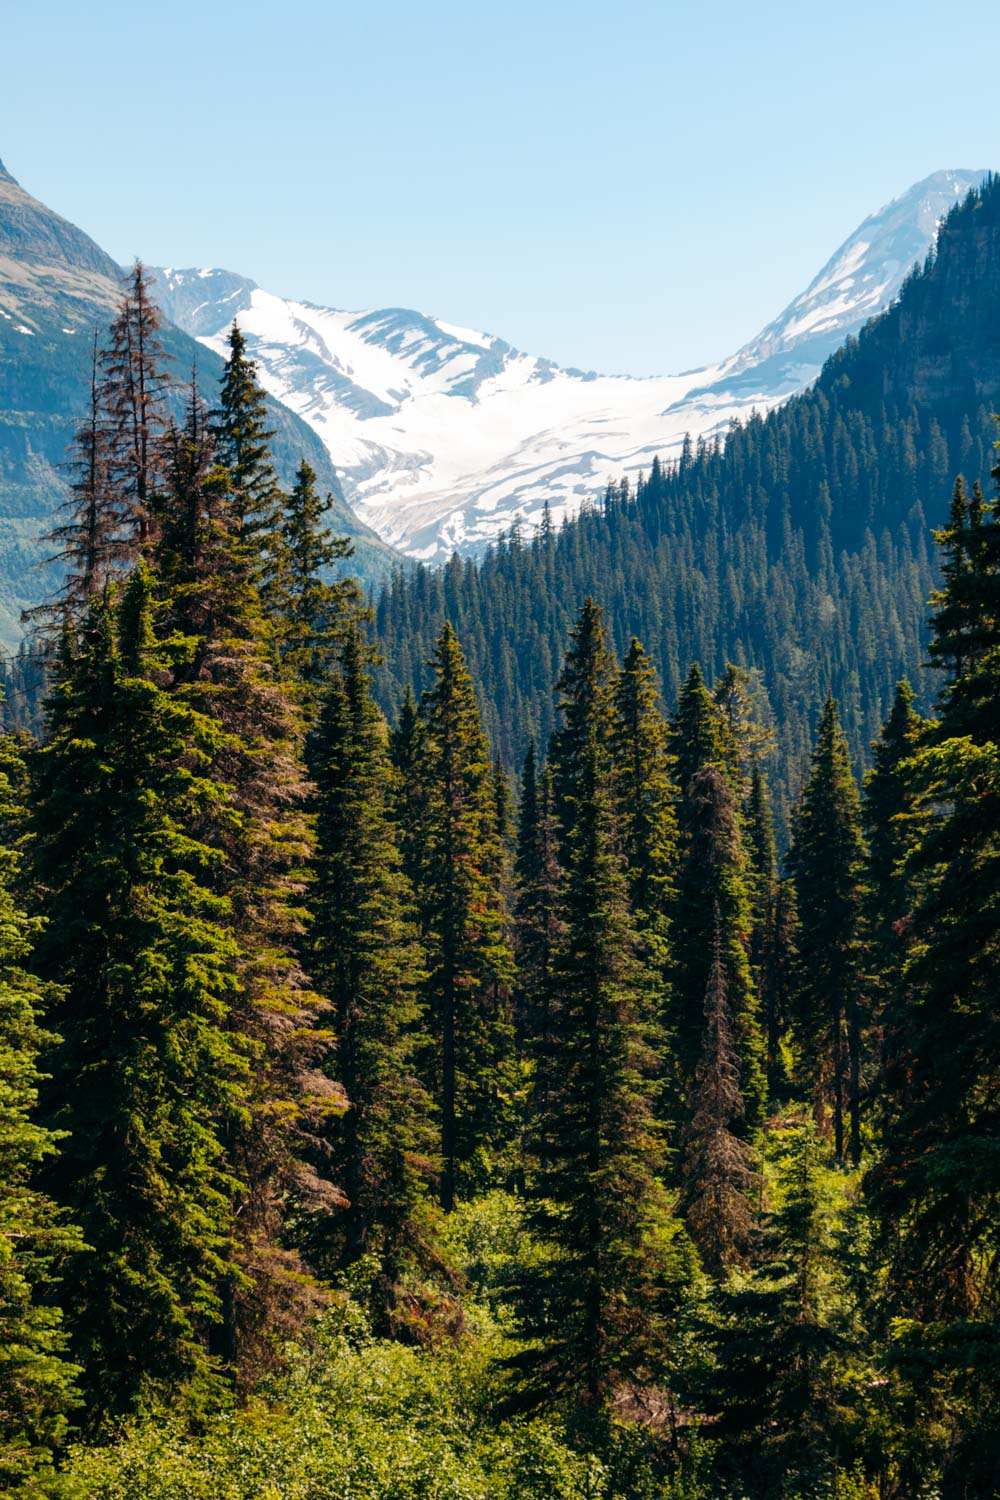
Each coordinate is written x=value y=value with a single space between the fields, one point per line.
x=718 y=1175
x=309 y=613
x=261 y=843
x=696 y=730
x=242 y=445
x=93 y=539
x=936 y=1187
x=37 y=1379
x=646 y=796
x=537 y=927
x=711 y=889
x=363 y=954
x=463 y=925
x=133 y=393
x=145 y=1070
x=775 y=1387
x=826 y=860
x=596 y=1311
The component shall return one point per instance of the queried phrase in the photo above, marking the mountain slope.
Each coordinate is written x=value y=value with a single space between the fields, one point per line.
x=56 y=287
x=800 y=549
x=444 y=436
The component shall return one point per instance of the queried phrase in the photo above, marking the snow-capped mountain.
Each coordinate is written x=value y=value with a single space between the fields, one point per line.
x=443 y=436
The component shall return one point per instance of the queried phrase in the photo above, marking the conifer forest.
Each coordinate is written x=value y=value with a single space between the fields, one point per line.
x=528 y=1029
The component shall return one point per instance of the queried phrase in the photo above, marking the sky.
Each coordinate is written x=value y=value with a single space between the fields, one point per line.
x=630 y=187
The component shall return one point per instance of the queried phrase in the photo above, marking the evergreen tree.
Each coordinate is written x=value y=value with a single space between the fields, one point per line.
x=936 y=1187
x=826 y=860
x=145 y=1070
x=463 y=925
x=92 y=540
x=711 y=889
x=696 y=730
x=774 y=1391
x=261 y=844
x=405 y=740
x=363 y=954
x=893 y=825
x=133 y=394
x=597 y=1310
x=537 y=882
x=309 y=613
x=646 y=796
x=718 y=1175
x=242 y=445
x=37 y=1379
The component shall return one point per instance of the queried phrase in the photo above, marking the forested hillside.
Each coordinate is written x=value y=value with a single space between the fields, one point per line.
x=373 y=1127
x=57 y=291
x=798 y=549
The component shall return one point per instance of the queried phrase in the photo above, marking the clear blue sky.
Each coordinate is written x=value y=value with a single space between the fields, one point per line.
x=630 y=186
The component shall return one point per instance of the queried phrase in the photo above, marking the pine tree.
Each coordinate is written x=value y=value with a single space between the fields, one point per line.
x=597 y=1311
x=718 y=1175
x=827 y=863
x=363 y=954
x=133 y=394
x=463 y=926
x=36 y=1377
x=145 y=1071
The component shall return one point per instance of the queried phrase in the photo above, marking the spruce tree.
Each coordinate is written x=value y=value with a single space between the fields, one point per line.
x=893 y=823
x=711 y=890
x=537 y=882
x=226 y=673
x=718 y=1175
x=92 y=540
x=37 y=1379
x=696 y=730
x=145 y=1071
x=827 y=863
x=774 y=1389
x=133 y=393
x=242 y=445
x=646 y=796
x=596 y=1312
x=309 y=613
x=363 y=954
x=936 y=1186
x=463 y=926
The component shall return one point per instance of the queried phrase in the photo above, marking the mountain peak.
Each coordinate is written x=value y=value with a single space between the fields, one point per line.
x=5 y=176
x=443 y=436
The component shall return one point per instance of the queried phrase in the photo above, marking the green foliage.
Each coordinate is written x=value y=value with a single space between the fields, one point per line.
x=37 y=1380
x=457 y=870
x=363 y=954
x=596 y=1310
x=827 y=863
x=145 y=1069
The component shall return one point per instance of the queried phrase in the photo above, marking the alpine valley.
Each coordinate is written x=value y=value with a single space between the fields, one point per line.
x=444 y=436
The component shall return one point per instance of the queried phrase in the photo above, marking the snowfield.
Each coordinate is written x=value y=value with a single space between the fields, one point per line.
x=443 y=436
